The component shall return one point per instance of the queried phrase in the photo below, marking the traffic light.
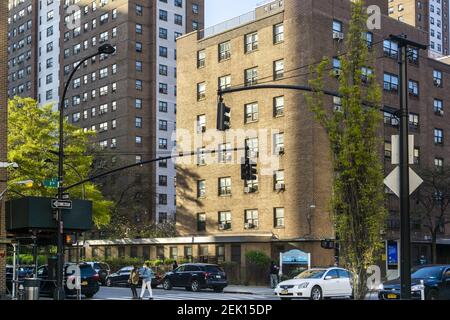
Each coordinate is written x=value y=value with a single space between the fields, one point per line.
x=70 y=239
x=249 y=170
x=223 y=117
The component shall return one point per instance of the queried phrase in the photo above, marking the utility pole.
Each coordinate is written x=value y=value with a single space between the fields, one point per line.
x=405 y=229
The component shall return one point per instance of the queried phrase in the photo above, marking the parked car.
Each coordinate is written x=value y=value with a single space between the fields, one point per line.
x=102 y=269
x=120 y=278
x=89 y=281
x=436 y=279
x=317 y=284
x=195 y=277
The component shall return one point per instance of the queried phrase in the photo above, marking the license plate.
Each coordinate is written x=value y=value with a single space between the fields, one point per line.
x=284 y=292
x=218 y=277
x=84 y=283
x=392 y=296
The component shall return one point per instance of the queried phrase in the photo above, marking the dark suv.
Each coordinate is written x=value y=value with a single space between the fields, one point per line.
x=89 y=281
x=102 y=269
x=196 y=276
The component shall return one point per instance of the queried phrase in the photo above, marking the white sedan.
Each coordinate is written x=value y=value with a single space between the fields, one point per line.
x=317 y=284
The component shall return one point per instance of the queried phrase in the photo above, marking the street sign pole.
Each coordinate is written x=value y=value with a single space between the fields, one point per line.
x=405 y=229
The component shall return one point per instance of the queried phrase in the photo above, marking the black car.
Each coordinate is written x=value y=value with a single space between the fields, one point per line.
x=89 y=281
x=102 y=269
x=195 y=277
x=436 y=280
x=121 y=277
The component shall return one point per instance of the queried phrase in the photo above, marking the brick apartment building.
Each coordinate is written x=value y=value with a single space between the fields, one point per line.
x=128 y=98
x=432 y=16
x=3 y=136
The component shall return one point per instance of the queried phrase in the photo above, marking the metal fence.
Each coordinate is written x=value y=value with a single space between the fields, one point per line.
x=227 y=25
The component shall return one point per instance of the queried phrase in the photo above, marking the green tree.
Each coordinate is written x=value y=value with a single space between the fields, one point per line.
x=32 y=142
x=357 y=187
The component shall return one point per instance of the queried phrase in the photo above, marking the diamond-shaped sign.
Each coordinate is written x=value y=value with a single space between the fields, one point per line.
x=392 y=181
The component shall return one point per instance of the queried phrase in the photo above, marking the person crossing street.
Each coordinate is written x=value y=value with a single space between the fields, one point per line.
x=134 y=281
x=147 y=275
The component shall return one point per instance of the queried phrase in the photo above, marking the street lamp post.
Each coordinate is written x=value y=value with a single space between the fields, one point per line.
x=60 y=294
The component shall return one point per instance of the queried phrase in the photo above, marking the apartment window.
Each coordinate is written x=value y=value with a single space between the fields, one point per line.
x=103 y=73
x=201 y=91
x=279 y=143
x=278 y=33
x=195 y=8
x=138 y=140
x=438 y=107
x=279 y=218
x=162 y=125
x=138 y=103
x=162 y=181
x=163 y=70
x=413 y=88
x=413 y=55
x=201 y=189
x=138 y=122
x=163 y=33
x=139 y=10
x=279 y=180
x=390 y=49
x=201 y=123
x=162 y=199
x=201 y=222
x=225 y=186
x=251 y=219
x=414 y=120
x=390 y=82
x=225 y=153
x=439 y=163
x=178 y=3
x=438 y=136
x=437 y=78
x=163 y=52
x=138 y=66
x=138 y=47
x=201 y=157
x=162 y=106
x=387 y=150
x=163 y=88
x=163 y=15
x=337 y=26
x=224 y=51
x=225 y=220
x=251 y=76
x=138 y=85
x=162 y=144
x=416 y=156
x=251 y=42
x=278 y=69
x=162 y=163
x=138 y=28
x=253 y=147
x=201 y=59
x=178 y=19
x=251 y=112
x=225 y=82
x=278 y=106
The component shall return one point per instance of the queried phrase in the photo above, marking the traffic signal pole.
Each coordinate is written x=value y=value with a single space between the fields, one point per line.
x=405 y=228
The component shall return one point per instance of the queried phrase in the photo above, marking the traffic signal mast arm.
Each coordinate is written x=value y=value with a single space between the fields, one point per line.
x=179 y=155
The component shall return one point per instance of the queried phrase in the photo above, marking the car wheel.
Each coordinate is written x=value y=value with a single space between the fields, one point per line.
x=316 y=293
x=433 y=295
x=195 y=286
x=218 y=290
x=108 y=283
x=167 y=285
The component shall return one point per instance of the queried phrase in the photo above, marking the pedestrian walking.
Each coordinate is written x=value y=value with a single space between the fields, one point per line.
x=175 y=265
x=134 y=281
x=274 y=271
x=147 y=275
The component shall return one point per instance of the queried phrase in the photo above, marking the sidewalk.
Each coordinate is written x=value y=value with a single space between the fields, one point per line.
x=265 y=291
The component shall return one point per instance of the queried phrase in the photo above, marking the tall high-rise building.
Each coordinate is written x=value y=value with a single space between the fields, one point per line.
x=3 y=136
x=128 y=98
x=432 y=16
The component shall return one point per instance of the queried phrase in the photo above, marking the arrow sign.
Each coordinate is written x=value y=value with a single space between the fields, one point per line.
x=61 y=204
x=392 y=181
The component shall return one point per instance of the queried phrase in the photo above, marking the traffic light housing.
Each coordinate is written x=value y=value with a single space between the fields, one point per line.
x=223 y=117
x=70 y=239
x=249 y=171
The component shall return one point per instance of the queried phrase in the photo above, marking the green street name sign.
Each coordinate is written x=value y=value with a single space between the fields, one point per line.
x=51 y=183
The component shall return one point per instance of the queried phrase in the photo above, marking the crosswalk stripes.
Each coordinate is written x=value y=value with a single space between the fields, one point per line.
x=191 y=297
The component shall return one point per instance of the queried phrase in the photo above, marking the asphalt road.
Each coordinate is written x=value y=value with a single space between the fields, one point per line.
x=115 y=293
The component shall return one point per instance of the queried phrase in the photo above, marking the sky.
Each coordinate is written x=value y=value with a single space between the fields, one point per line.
x=218 y=11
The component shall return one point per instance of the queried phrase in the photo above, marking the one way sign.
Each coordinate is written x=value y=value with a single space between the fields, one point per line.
x=61 y=204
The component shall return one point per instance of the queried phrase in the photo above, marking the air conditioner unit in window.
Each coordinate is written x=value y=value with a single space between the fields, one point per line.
x=338 y=35
x=222 y=226
x=247 y=190
x=440 y=112
x=249 y=226
x=280 y=187
x=280 y=150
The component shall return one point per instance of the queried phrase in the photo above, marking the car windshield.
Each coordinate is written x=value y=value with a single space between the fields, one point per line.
x=311 y=274
x=428 y=273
